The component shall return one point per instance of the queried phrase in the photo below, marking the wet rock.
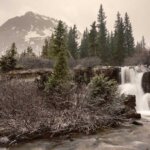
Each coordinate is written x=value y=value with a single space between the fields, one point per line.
x=137 y=123
x=4 y=141
x=130 y=101
x=130 y=104
x=133 y=115
x=146 y=82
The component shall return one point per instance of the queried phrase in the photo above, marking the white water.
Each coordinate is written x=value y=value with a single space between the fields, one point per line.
x=131 y=84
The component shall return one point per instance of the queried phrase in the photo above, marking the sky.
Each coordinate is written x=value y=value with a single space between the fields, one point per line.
x=83 y=12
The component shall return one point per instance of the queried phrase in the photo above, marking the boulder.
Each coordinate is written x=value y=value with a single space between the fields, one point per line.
x=146 y=82
x=130 y=111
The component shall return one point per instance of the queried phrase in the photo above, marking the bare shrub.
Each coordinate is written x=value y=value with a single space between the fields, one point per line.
x=25 y=108
x=138 y=58
x=34 y=62
x=89 y=62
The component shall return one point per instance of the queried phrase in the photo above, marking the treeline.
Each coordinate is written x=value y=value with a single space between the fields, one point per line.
x=111 y=47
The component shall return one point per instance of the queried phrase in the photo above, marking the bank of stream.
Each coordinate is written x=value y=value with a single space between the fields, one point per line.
x=125 y=138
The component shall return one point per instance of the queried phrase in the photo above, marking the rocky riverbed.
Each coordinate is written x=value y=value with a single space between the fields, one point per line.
x=125 y=138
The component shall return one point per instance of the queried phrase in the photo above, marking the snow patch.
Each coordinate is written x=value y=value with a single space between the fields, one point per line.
x=48 y=32
x=45 y=18
x=31 y=34
x=13 y=28
x=32 y=43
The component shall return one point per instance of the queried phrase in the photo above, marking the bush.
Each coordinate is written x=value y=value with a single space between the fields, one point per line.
x=29 y=62
x=102 y=90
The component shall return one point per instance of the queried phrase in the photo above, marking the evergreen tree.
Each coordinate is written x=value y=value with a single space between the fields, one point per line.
x=129 y=39
x=102 y=36
x=8 y=61
x=143 y=44
x=30 y=52
x=60 y=53
x=84 y=47
x=111 y=46
x=45 y=49
x=93 y=40
x=72 y=42
x=119 y=42
x=51 y=52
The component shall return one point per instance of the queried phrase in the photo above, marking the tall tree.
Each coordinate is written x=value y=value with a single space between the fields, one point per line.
x=60 y=52
x=102 y=36
x=45 y=49
x=84 y=47
x=119 y=42
x=72 y=42
x=129 y=39
x=93 y=40
x=8 y=61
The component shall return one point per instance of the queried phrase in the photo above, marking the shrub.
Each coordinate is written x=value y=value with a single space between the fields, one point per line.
x=101 y=90
x=30 y=62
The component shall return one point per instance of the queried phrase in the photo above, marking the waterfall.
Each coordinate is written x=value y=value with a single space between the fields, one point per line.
x=131 y=84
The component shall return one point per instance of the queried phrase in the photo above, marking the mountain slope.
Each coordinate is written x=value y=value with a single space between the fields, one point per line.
x=28 y=30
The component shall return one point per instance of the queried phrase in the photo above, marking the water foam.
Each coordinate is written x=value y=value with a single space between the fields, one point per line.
x=131 y=84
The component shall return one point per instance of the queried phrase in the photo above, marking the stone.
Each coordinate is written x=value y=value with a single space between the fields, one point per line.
x=146 y=82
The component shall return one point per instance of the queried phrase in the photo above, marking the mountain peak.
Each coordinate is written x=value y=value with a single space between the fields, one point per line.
x=29 y=13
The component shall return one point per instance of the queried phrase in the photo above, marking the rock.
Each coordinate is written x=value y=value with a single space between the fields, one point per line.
x=4 y=140
x=146 y=82
x=130 y=101
x=133 y=115
x=130 y=111
x=137 y=123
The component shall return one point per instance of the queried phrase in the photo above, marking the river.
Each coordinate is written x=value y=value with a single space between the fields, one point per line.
x=127 y=138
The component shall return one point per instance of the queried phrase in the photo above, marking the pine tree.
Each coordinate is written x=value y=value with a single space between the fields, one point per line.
x=119 y=42
x=93 y=40
x=143 y=44
x=8 y=61
x=30 y=52
x=111 y=47
x=45 y=49
x=84 y=47
x=129 y=39
x=72 y=42
x=102 y=36
x=61 y=53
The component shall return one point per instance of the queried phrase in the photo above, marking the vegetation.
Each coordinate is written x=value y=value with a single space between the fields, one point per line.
x=8 y=61
x=61 y=71
x=67 y=106
x=72 y=42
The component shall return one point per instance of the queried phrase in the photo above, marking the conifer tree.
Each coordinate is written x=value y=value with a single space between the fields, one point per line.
x=119 y=42
x=45 y=49
x=72 y=42
x=93 y=40
x=102 y=36
x=30 y=52
x=129 y=39
x=60 y=52
x=8 y=61
x=84 y=47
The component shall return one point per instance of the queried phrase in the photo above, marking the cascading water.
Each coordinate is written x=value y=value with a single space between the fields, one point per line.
x=131 y=84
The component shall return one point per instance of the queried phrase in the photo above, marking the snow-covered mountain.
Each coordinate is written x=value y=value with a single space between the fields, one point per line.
x=28 y=30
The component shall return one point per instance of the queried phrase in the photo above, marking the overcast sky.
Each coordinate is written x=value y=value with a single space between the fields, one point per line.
x=83 y=12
